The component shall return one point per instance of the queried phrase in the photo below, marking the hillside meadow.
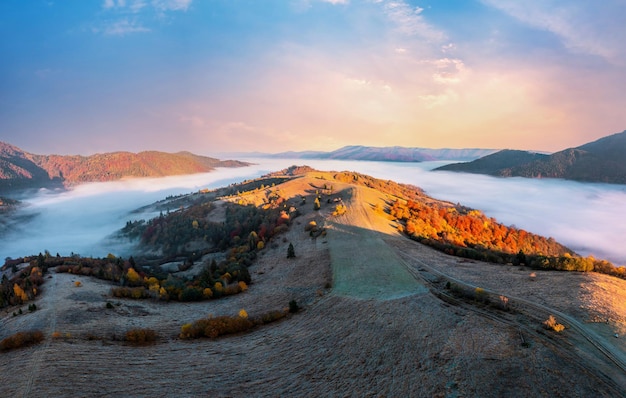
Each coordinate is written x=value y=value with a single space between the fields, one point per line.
x=372 y=321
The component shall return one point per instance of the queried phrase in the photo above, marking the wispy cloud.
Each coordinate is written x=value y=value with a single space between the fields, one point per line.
x=409 y=20
x=583 y=27
x=171 y=5
x=121 y=28
x=143 y=12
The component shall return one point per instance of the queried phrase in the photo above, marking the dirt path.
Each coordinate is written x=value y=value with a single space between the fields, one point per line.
x=364 y=266
x=51 y=320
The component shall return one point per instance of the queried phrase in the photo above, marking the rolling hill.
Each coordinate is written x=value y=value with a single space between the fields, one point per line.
x=23 y=170
x=380 y=314
x=598 y=161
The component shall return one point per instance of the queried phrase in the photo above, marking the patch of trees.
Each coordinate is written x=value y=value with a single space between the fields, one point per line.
x=466 y=228
x=172 y=232
x=137 y=282
x=242 y=234
x=24 y=284
x=464 y=232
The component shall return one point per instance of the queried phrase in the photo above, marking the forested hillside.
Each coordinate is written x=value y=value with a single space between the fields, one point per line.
x=20 y=169
x=599 y=161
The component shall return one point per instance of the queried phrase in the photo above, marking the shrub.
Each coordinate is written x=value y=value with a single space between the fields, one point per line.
x=232 y=289
x=480 y=294
x=130 y=292
x=503 y=303
x=140 y=336
x=21 y=339
x=551 y=324
x=339 y=210
x=191 y=294
x=270 y=317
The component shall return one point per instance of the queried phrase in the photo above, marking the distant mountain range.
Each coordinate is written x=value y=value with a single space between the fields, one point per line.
x=23 y=170
x=603 y=160
x=391 y=154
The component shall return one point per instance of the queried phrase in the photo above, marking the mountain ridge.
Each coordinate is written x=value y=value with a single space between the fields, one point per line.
x=601 y=160
x=23 y=170
x=389 y=154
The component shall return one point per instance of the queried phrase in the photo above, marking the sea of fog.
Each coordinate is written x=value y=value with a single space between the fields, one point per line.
x=588 y=218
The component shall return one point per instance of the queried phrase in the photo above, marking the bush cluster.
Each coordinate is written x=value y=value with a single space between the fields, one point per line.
x=21 y=339
x=139 y=336
x=214 y=327
x=130 y=292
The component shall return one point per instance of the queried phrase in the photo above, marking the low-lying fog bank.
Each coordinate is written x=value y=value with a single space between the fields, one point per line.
x=589 y=218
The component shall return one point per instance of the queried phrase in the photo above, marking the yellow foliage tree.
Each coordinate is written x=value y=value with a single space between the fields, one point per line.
x=243 y=313
x=19 y=292
x=132 y=276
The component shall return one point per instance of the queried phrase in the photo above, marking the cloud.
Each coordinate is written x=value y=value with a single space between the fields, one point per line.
x=334 y=2
x=122 y=27
x=584 y=27
x=171 y=5
x=409 y=20
x=108 y=4
x=449 y=71
x=143 y=13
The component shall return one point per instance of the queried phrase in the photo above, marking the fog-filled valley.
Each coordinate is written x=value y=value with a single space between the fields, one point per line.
x=588 y=218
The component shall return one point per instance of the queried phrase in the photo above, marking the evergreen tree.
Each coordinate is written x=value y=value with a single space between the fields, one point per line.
x=291 y=253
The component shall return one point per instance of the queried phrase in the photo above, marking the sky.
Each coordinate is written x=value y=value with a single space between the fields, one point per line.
x=214 y=76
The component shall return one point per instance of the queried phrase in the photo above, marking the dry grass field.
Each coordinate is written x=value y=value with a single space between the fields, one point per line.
x=369 y=326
